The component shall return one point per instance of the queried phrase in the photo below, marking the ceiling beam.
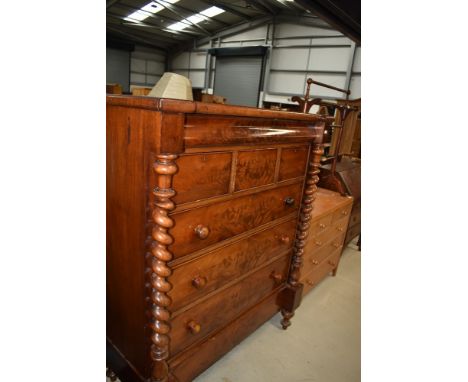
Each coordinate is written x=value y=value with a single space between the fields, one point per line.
x=260 y=5
x=347 y=21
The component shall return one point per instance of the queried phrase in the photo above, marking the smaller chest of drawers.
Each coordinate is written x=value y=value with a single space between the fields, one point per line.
x=326 y=238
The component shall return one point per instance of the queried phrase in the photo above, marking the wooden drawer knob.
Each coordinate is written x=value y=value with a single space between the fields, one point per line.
x=341 y=229
x=277 y=277
x=310 y=282
x=315 y=262
x=199 y=282
x=201 y=231
x=193 y=327
x=331 y=262
x=318 y=242
x=336 y=245
x=289 y=201
x=285 y=239
x=321 y=225
x=344 y=213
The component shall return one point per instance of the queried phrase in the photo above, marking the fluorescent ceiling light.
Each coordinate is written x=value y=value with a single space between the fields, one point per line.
x=146 y=11
x=196 y=18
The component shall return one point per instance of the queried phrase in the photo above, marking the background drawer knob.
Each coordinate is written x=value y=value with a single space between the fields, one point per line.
x=332 y=263
x=341 y=229
x=277 y=277
x=289 y=201
x=315 y=262
x=310 y=282
x=201 y=231
x=344 y=213
x=193 y=327
x=336 y=245
x=321 y=225
x=199 y=282
x=318 y=242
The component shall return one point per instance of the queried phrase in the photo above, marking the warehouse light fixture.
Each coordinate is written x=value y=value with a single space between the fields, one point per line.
x=196 y=18
x=147 y=10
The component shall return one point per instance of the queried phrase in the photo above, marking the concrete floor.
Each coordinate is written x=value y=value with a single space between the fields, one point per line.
x=323 y=344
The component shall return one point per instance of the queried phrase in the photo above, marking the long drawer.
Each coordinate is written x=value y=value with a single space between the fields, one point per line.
x=198 y=228
x=200 y=320
x=313 y=260
x=311 y=278
x=204 y=274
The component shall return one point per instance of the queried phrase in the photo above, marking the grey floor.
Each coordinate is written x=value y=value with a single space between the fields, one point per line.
x=323 y=344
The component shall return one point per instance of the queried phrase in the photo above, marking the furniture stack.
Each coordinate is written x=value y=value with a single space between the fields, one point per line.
x=209 y=209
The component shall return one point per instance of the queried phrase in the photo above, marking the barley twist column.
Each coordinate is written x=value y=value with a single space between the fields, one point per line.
x=303 y=227
x=157 y=268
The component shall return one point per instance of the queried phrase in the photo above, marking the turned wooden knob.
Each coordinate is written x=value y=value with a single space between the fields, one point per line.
x=284 y=239
x=199 y=282
x=277 y=277
x=201 y=231
x=310 y=282
x=289 y=201
x=315 y=262
x=321 y=225
x=194 y=327
x=341 y=229
x=332 y=263
x=336 y=245
x=344 y=212
x=318 y=242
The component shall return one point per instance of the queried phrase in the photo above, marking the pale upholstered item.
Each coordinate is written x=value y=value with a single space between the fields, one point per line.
x=172 y=85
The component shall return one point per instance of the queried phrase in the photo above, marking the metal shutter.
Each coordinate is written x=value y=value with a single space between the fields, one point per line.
x=238 y=79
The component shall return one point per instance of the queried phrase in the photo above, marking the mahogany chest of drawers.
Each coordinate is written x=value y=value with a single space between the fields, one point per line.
x=208 y=211
x=327 y=234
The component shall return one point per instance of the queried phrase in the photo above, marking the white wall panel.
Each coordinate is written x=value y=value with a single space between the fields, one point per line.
x=331 y=41
x=197 y=60
x=138 y=65
x=357 y=60
x=329 y=59
x=151 y=80
x=181 y=72
x=153 y=67
x=180 y=61
x=286 y=82
x=295 y=41
x=291 y=58
x=198 y=79
x=337 y=80
x=292 y=30
x=259 y=32
x=136 y=78
x=355 y=87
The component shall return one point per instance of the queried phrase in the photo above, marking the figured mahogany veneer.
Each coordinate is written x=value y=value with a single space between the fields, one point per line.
x=327 y=234
x=208 y=212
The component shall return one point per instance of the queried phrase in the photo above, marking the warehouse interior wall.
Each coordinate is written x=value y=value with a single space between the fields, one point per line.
x=140 y=67
x=295 y=53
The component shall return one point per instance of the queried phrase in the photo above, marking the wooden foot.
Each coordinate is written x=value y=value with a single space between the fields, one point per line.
x=286 y=321
x=334 y=272
x=111 y=375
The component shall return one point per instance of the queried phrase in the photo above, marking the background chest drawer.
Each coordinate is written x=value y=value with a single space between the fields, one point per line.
x=315 y=275
x=205 y=274
x=342 y=213
x=218 y=310
x=200 y=227
x=313 y=260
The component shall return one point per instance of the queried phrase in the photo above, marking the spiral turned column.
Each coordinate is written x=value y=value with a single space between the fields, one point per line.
x=157 y=270
x=303 y=226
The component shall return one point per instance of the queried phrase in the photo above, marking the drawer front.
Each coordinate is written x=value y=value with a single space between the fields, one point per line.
x=315 y=259
x=314 y=276
x=342 y=213
x=320 y=225
x=207 y=273
x=255 y=168
x=200 y=227
x=293 y=162
x=340 y=226
x=202 y=176
x=214 y=313
x=319 y=241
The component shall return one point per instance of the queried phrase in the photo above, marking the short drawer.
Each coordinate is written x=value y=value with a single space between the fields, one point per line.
x=314 y=259
x=199 y=321
x=293 y=162
x=319 y=225
x=198 y=228
x=255 y=168
x=219 y=267
x=314 y=276
x=342 y=213
x=202 y=176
